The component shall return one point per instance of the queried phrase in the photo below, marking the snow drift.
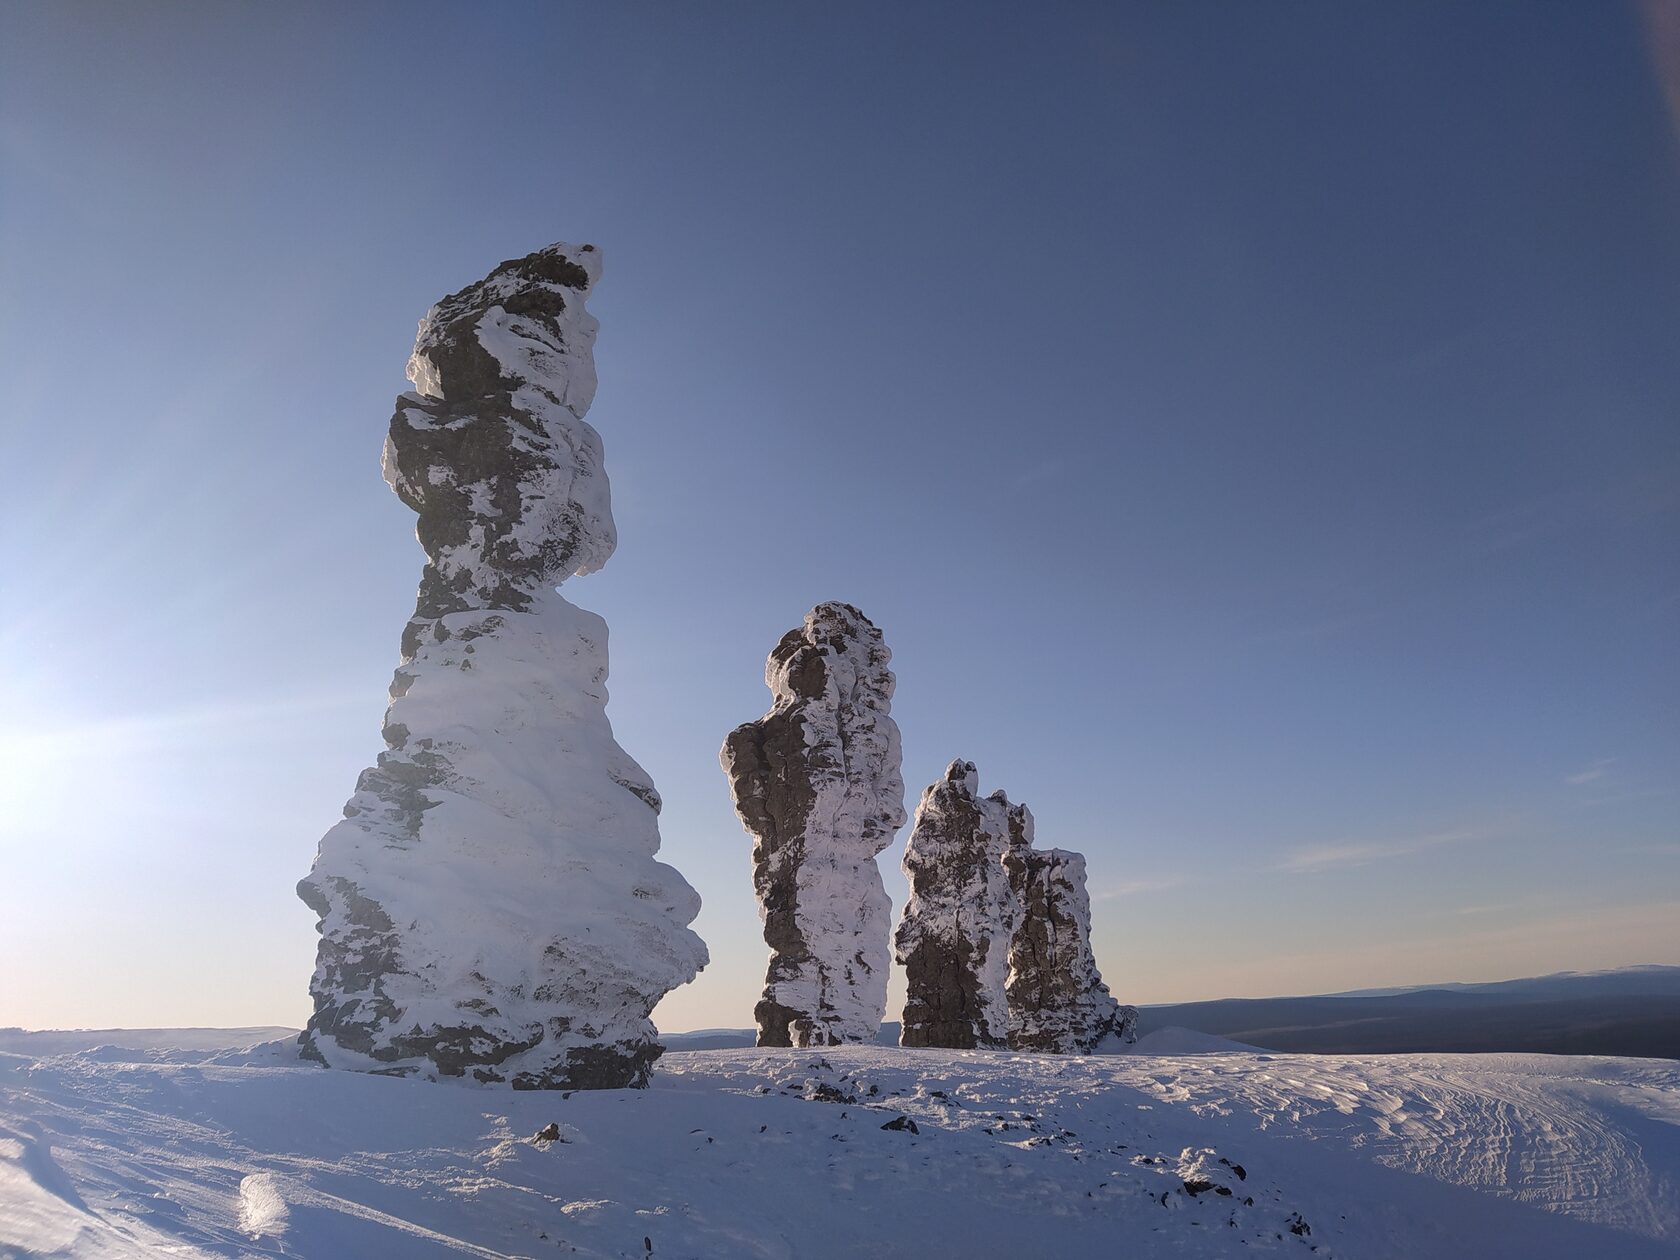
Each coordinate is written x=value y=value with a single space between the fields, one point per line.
x=850 y=1151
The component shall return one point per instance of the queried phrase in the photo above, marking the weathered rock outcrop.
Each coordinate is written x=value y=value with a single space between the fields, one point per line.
x=954 y=936
x=1058 y=1002
x=491 y=906
x=996 y=937
x=817 y=784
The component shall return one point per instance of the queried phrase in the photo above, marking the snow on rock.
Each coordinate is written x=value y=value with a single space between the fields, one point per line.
x=996 y=937
x=816 y=783
x=493 y=452
x=491 y=907
x=954 y=937
x=1057 y=999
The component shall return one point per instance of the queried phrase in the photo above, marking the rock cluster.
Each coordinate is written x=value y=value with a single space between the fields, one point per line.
x=817 y=783
x=491 y=906
x=996 y=936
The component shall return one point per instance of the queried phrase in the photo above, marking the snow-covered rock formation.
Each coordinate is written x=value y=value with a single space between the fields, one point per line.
x=1058 y=1002
x=491 y=906
x=996 y=937
x=817 y=784
x=955 y=933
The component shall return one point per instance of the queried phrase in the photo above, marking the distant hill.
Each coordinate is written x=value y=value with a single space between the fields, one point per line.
x=1635 y=981
x=1632 y=1011
x=1437 y=1022
x=73 y=1040
x=1628 y=1012
x=709 y=1039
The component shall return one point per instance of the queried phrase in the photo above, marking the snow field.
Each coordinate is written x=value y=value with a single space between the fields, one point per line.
x=849 y=1151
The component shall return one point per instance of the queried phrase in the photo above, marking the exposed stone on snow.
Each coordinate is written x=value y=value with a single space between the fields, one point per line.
x=491 y=906
x=955 y=933
x=1058 y=1002
x=816 y=782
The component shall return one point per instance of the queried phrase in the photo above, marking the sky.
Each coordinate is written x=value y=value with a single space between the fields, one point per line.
x=1253 y=427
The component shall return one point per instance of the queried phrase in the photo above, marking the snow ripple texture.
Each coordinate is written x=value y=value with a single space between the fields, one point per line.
x=1184 y=1147
x=491 y=907
x=817 y=784
x=996 y=936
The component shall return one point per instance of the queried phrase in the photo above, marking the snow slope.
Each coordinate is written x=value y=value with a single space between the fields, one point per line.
x=783 y=1153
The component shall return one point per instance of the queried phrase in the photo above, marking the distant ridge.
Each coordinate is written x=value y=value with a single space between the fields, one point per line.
x=1627 y=1011
x=1644 y=978
x=72 y=1040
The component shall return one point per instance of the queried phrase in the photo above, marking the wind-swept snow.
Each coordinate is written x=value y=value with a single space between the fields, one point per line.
x=848 y=1151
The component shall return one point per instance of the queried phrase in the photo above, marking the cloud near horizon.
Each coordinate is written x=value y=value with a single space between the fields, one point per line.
x=1132 y=887
x=1324 y=857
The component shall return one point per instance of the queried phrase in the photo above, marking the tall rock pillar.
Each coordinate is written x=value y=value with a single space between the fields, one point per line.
x=817 y=784
x=1058 y=1002
x=954 y=936
x=491 y=906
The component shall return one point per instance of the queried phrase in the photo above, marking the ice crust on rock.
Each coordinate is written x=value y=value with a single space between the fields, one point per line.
x=491 y=906
x=996 y=936
x=817 y=784
x=1058 y=1002
x=954 y=937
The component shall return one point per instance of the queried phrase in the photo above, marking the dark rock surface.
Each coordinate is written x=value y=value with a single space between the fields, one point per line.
x=816 y=783
x=954 y=936
x=1058 y=1003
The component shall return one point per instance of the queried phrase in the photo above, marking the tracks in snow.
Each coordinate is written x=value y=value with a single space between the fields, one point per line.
x=1546 y=1130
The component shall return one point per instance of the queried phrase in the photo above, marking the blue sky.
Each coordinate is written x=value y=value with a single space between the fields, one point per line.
x=1254 y=428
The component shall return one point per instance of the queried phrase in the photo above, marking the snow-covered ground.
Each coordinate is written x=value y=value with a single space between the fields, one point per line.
x=119 y=1145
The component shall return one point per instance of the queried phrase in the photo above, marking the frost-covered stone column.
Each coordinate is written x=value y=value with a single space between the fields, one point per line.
x=1058 y=1002
x=491 y=906
x=962 y=914
x=817 y=784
